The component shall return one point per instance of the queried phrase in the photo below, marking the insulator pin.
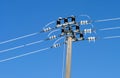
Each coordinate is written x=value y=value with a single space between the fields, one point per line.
x=47 y=29
x=56 y=45
x=91 y=39
x=87 y=31
x=58 y=22
x=84 y=22
x=62 y=32
x=77 y=28
x=73 y=19
x=52 y=37
x=65 y=20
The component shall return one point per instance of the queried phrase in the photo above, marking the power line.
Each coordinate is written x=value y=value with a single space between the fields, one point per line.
x=110 y=37
x=53 y=32
x=58 y=40
x=63 y=60
x=84 y=15
x=104 y=20
x=33 y=52
x=105 y=29
x=28 y=35
x=29 y=44
x=48 y=29
x=22 y=55
x=70 y=29
x=21 y=46
x=48 y=24
x=17 y=38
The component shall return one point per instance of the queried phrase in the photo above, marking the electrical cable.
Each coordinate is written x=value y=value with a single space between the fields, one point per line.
x=17 y=38
x=48 y=24
x=110 y=37
x=84 y=15
x=29 y=53
x=22 y=55
x=28 y=44
x=53 y=32
x=105 y=29
x=58 y=40
x=28 y=35
x=21 y=37
x=21 y=46
x=63 y=61
x=104 y=20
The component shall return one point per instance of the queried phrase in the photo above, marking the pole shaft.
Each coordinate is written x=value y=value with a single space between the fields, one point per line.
x=68 y=57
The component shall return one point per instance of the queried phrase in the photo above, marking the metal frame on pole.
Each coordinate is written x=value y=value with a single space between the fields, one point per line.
x=71 y=30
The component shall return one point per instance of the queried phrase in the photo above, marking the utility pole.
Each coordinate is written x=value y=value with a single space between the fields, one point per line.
x=68 y=57
x=71 y=30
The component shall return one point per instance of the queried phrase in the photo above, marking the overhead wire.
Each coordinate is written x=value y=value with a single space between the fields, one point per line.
x=17 y=38
x=85 y=15
x=29 y=53
x=25 y=36
x=112 y=28
x=21 y=46
x=110 y=37
x=58 y=40
x=63 y=60
x=22 y=55
x=48 y=24
x=104 y=20
x=29 y=44
x=28 y=35
x=53 y=32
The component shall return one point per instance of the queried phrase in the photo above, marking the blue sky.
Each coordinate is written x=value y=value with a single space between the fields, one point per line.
x=89 y=60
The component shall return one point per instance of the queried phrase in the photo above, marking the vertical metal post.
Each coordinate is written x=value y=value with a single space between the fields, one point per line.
x=68 y=57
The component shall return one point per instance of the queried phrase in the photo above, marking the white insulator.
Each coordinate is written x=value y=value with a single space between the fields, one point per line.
x=91 y=38
x=52 y=37
x=58 y=45
x=44 y=30
x=88 y=31
x=59 y=25
x=55 y=45
x=47 y=29
x=84 y=22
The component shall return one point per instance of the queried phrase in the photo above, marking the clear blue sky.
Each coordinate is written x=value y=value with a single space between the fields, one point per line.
x=89 y=60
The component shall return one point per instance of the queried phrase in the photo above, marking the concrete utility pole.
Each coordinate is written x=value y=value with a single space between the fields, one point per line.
x=71 y=30
x=68 y=57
